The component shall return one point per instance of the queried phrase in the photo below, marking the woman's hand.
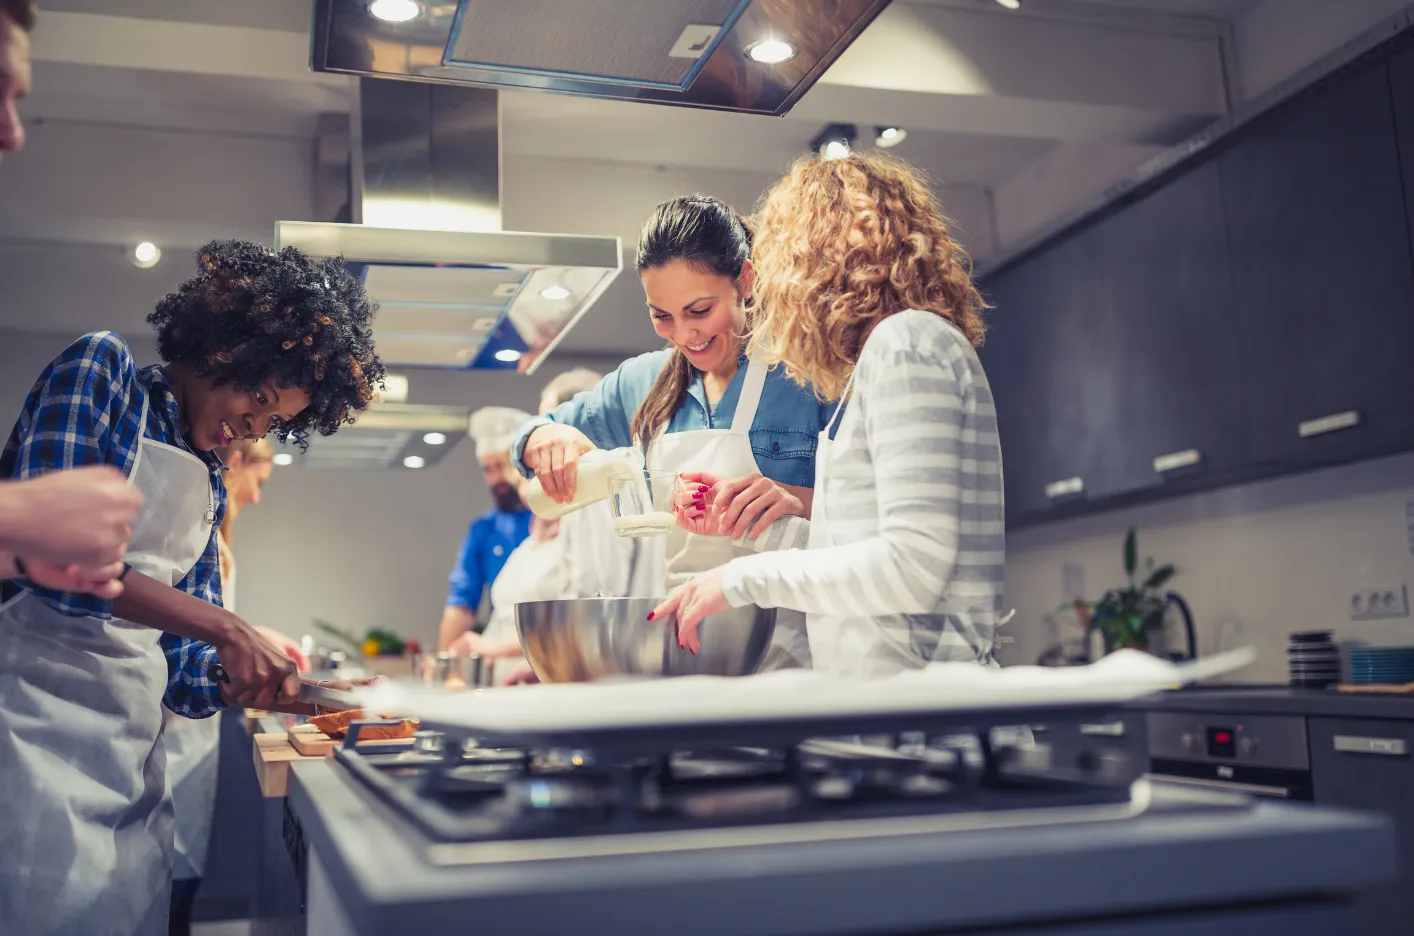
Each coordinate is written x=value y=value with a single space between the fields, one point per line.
x=474 y=644
x=525 y=676
x=101 y=581
x=697 y=600
x=261 y=677
x=552 y=452
x=690 y=500
x=748 y=506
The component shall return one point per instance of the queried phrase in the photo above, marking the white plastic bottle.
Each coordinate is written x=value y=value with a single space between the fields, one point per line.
x=592 y=481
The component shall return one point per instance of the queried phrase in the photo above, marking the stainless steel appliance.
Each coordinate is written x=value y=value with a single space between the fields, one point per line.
x=754 y=57
x=582 y=639
x=1260 y=755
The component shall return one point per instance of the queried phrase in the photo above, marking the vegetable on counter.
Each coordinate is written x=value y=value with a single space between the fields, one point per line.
x=375 y=643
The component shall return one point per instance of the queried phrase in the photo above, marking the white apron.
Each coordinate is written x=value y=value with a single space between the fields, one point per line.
x=85 y=831
x=193 y=747
x=726 y=453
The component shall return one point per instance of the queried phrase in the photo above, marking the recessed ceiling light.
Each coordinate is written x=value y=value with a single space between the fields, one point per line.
x=771 y=51
x=507 y=355
x=284 y=458
x=146 y=255
x=835 y=149
x=554 y=292
x=1010 y=4
x=395 y=11
x=414 y=461
x=435 y=438
x=890 y=136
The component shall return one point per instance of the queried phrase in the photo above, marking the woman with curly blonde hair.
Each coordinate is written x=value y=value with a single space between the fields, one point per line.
x=865 y=296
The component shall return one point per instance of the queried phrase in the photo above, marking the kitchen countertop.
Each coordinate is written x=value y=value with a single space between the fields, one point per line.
x=1280 y=700
x=371 y=860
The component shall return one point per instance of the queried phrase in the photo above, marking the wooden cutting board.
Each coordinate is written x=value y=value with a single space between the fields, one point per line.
x=311 y=742
x=1405 y=688
x=252 y=720
x=273 y=756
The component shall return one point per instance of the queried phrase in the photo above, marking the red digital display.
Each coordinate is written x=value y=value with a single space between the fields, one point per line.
x=1221 y=742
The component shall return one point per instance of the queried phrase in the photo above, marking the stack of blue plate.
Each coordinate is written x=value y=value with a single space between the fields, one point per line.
x=1313 y=659
x=1381 y=666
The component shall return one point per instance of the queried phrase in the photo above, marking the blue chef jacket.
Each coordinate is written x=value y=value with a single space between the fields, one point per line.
x=488 y=544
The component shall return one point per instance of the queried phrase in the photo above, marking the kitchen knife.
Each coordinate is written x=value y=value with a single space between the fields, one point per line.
x=338 y=700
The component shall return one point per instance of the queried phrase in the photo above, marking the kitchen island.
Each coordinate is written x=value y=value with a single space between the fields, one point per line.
x=1191 y=863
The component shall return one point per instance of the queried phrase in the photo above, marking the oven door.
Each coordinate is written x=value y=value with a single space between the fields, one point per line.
x=1266 y=783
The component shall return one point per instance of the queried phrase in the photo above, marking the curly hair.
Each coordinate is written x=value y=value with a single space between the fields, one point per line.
x=840 y=245
x=251 y=316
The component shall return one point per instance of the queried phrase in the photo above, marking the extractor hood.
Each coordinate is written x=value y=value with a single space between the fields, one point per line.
x=752 y=56
x=454 y=290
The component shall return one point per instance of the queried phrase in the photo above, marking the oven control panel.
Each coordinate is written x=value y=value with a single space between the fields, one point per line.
x=1277 y=741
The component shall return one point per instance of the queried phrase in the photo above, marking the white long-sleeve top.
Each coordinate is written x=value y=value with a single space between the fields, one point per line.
x=909 y=566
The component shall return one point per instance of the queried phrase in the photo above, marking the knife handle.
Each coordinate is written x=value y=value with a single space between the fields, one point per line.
x=217 y=673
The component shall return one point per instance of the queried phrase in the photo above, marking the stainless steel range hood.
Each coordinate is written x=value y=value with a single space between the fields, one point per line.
x=454 y=290
x=752 y=56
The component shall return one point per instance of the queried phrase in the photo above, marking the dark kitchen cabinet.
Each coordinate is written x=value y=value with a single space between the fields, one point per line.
x=1162 y=283
x=1369 y=764
x=1047 y=359
x=1323 y=274
x=1401 y=83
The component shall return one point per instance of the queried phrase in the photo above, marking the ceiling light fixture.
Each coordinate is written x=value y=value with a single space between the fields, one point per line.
x=836 y=141
x=770 y=51
x=146 y=255
x=395 y=11
x=284 y=458
x=555 y=293
x=1009 y=4
x=508 y=355
x=435 y=438
x=414 y=461
x=888 y=137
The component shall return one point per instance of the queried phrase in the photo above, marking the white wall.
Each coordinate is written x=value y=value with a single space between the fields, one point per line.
x=361 y=549
x=1255 y=562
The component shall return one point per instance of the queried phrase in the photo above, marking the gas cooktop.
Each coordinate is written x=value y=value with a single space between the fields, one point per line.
x=632 y=792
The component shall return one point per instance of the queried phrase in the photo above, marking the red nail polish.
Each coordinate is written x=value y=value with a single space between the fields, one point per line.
x=650 y=615
x=698 y=496
x=702 y=490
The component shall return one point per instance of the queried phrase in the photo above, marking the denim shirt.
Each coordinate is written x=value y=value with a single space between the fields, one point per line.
x=783 y=435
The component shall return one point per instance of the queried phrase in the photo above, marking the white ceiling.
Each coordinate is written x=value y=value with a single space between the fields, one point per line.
x=179 y=120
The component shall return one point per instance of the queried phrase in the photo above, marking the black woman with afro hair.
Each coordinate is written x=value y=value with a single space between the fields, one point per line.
x=256 y=342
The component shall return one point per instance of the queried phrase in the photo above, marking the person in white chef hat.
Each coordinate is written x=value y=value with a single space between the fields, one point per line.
x=494 y=535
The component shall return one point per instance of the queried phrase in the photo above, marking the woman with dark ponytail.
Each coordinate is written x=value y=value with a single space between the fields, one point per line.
x=741 y=433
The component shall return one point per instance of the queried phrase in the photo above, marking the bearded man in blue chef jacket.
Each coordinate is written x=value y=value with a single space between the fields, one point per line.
x=495 y=534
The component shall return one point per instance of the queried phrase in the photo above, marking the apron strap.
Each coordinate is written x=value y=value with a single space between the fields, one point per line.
x=839 y=407
x=746 y=404
x=141 y=432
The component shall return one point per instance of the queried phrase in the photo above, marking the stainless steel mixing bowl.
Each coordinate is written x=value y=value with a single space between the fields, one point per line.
x=583 y=639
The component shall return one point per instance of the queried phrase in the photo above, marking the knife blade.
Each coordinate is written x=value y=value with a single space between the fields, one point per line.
x=337 y=699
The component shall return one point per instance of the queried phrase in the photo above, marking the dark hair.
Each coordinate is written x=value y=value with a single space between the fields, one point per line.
x=251 y=316
x=21 y=12
x=708 y=234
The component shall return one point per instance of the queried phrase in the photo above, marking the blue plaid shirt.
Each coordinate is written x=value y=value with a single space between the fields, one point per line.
x=84 y=410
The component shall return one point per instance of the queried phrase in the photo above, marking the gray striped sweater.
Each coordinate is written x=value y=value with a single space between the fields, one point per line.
x=907 y=566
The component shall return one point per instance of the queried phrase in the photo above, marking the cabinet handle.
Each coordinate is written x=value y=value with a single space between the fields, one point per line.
x=1332 y=423
x=1110 y=730
x=1062 y=488
x=1350 y=744
x=1177 y=460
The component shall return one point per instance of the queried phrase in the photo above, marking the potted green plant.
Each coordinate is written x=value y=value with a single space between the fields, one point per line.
x=1130 y=616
